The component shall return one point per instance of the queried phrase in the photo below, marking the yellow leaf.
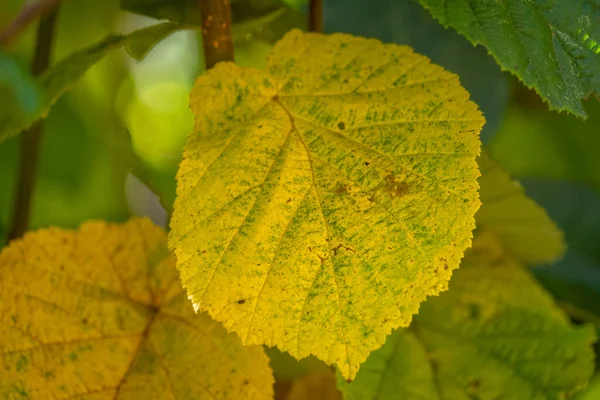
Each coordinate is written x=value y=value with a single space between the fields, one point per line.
x=99 y=313
x=322 y=200
x=522 y=226
x=320 y=385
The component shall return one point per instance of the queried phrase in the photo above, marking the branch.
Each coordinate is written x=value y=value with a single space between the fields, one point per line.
x=315 y=16
x=29 y=13
x=30 y=139
x=216 y=31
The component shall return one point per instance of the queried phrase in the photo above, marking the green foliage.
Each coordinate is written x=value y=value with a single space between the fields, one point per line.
x=486 y=337
x=551 y=45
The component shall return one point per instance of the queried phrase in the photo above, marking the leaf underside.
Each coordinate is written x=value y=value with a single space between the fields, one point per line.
x=321 y=201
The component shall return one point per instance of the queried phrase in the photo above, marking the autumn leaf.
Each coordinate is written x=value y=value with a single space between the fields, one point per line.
x=99 y=313
x=321 y=201
x=523 y=227
x=494 y=334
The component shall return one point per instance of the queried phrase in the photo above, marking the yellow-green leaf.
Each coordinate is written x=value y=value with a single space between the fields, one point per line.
x=495 y=334
x=99 y=313
x=523 y=227
x=322 y=200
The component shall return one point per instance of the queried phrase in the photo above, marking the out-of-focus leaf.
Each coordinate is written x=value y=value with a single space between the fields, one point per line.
x=406 y=22
x=266 y=20
x=59 y=78
x=77 y=177
x=533 y=142
x=184 y=12
x=20 y=97
x=99 y=313
x=142 y=41
x=574 y=282
x=494 y=334
x=576 y=210
x=553 y=46
x=523 y=227
x=285 y=168
x=263 y=19
x=55 y=82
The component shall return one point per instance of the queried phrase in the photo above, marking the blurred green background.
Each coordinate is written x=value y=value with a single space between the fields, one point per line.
x=128 y=118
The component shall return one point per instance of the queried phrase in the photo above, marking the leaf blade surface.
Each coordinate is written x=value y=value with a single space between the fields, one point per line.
x=311 y=192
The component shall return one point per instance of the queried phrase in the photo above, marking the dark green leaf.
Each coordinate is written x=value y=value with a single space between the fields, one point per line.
x=551 y=45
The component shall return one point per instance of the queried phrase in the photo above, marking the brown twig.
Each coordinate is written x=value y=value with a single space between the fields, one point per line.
x=216 y=31
x=315 y=16
x=30 y=139
x=29 y=13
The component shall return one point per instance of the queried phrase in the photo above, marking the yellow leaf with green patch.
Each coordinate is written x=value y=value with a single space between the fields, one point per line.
x=100 y=313
x=523 y=227
x=321 y=200
x=495 y=334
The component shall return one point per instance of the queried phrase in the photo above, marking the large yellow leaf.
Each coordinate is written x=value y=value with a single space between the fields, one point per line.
x=523 y=227
x=99 y=313
x=322 y=200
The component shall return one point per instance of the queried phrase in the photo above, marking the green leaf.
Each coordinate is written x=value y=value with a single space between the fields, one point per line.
x=535 y=143
x=523 y=227
x=66 y=195
x=55 y=82
x=62 y=76
x=99 y=313
x=185 y=12
x=142 y=41
x=494 y=334
x=551 y=45
x=267 y=20
x=576 y=210
x=327 y=196
x=263 y=19
x=19 y=94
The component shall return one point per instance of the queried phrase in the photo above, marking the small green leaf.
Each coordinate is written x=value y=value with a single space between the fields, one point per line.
x=494 y=334
x=60 y=77
x=553 y=46
x=179 y=11
x=20 y=95
x=263 y=19
x=141 y=42
x=523 y=227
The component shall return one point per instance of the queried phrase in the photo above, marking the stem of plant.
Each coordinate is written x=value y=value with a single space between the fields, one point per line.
x=315 y=15
x=29 y=13
x=216 y=31
x=31 y=138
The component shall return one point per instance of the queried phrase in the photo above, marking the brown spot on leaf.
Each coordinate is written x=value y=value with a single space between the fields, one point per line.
x=242 y=301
